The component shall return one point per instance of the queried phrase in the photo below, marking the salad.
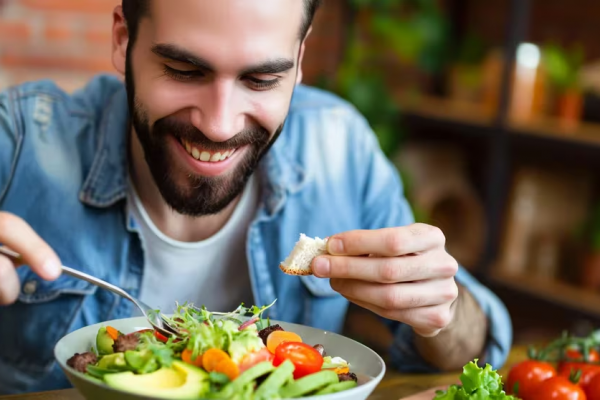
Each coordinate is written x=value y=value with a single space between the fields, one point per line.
x=218 y=357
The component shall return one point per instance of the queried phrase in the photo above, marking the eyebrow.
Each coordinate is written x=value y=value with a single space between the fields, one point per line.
x=175 y=53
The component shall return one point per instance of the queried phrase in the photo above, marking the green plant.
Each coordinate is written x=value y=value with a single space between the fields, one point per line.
x=415 y=31
x=563 y=66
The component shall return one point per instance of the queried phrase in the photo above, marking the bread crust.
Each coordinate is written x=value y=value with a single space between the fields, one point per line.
x=296 y=272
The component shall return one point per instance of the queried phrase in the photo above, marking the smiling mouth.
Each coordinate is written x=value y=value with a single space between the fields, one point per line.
x=201 y=154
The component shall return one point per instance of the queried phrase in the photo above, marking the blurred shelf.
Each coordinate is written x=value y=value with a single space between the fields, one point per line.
x=551 y=128
x=450 y=114
x=554 y=291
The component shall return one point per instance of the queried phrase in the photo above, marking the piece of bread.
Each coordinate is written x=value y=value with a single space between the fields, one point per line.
x=299 y=260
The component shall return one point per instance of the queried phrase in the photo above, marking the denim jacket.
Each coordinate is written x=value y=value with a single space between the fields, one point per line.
x=63 y=168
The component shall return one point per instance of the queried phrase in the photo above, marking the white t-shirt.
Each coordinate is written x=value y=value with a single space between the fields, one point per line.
x=212 y=272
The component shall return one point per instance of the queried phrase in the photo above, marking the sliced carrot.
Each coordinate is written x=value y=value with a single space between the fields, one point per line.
x=228 y=367
x=112 y=332
x=212 y=357
x=341 y=370
x=186 y=356
x=277 y=337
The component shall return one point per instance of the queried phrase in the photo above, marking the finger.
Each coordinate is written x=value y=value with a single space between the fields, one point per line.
x=432 y=265
x=425 y=321
x=20 y=237
x=387 y=242
x=398 y=296
x=9 y=282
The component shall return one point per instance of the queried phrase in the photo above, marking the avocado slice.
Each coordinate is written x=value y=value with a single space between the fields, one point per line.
x=104 y=343
x=180 y=381
x=113 y=361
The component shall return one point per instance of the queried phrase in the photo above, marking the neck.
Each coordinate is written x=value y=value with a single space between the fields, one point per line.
x=174 y=225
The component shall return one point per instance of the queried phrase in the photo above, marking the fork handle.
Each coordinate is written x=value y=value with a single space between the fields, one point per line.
x=76 y=274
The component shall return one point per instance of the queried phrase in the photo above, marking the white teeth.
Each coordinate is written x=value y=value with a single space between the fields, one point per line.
x=205 y=156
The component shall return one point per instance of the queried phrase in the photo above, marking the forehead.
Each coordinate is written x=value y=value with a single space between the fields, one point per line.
x=248 y=29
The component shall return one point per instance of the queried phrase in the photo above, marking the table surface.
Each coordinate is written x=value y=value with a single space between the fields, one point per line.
x=394 y=385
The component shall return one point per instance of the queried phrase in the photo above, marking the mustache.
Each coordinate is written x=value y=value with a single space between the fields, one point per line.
x=189 y=133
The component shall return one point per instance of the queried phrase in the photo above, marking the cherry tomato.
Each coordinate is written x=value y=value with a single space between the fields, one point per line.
x=254 y=358
x=306 y=359
x=528 y=375
x=592 y=389
x=588 y=372
x=558 y=388
x=572 y=354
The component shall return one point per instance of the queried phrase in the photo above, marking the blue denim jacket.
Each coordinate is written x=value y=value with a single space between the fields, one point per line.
x=63 y=169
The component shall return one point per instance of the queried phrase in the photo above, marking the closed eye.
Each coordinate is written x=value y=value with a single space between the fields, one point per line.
x=182 y=76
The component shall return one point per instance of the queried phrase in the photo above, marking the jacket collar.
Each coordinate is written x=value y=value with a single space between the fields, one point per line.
x=106 y=182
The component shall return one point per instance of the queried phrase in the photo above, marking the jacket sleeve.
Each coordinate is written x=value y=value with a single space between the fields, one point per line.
x=8 y=144
x=385 y=205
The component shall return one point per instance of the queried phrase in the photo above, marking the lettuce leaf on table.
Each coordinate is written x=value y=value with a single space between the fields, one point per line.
x=477 y=384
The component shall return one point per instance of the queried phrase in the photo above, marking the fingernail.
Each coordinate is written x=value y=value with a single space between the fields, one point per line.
x=335 y=246
x=321 y=267
x=52 y=269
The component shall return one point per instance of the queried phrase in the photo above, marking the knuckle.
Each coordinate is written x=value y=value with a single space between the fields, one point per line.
x=389 y=271
x=439 y=234
x=391 y=299
x=450 y=267
x=451 y=293
x=439 y=319
x=7 y=222
x=394 y=243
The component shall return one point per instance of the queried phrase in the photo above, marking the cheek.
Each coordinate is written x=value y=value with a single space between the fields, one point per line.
x=161 y=96
x=269 y=109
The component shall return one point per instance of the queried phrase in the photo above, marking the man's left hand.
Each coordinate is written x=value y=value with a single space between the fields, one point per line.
x=403 y=274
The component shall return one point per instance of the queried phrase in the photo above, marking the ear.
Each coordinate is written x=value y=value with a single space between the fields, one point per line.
x=301 y=56
x=120 y=40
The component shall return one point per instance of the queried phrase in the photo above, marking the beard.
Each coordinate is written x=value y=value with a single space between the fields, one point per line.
x=183 y=191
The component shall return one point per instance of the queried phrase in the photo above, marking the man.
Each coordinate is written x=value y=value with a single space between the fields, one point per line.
x=200 y=195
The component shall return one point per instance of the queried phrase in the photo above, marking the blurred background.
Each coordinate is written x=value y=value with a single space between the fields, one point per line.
x=489 y=109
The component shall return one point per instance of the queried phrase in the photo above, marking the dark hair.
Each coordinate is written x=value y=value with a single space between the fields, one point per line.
x=134 y=10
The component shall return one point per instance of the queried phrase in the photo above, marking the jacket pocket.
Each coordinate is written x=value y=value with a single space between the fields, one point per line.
x=31 y=327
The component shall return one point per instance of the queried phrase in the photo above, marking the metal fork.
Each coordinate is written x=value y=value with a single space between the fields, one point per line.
x=157 y=321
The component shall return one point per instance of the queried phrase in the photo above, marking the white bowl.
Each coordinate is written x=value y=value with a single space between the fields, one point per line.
x=364 y=362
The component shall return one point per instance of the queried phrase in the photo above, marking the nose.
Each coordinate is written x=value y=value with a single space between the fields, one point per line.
x=219 y=114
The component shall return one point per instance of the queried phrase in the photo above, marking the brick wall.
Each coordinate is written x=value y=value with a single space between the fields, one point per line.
x=560 y=21
x=70 y=40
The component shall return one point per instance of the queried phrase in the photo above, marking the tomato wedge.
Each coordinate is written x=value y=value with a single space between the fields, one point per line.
x=306 y=359
x=254 y=358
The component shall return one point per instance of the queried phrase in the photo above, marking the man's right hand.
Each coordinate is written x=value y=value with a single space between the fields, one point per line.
x=17 y=235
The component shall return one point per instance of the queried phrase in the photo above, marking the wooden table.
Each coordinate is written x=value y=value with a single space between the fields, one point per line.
x=394 y=385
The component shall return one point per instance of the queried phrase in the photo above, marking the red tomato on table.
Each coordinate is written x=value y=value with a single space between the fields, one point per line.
x=528 y=375
x=588 y=372
x=592 y=389
x=558 y=388
x=306 y=359
x=564 y=367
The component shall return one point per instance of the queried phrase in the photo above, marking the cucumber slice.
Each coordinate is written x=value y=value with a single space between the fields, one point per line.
x=336 y=387
x=309 y=383
x=246 y=378
x=278 y=378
